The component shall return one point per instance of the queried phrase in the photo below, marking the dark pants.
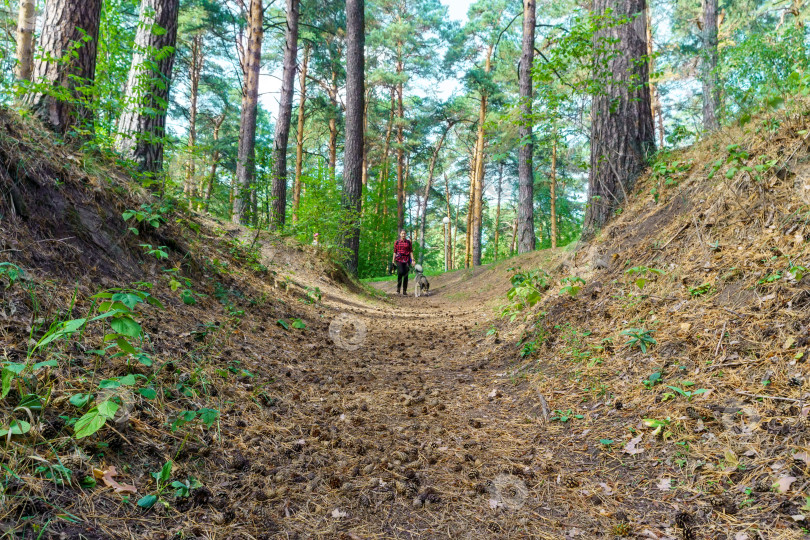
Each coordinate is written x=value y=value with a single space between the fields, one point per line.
x=402 y=276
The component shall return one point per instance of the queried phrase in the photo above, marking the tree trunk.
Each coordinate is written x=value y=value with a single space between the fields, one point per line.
x=525 y=218
x=400 y=153
x=428 y=184
x=711 y=90
x=660 y=111
x=478 y=216
x=333 y=130
x=514 y=237
x=279 y=212
x=214 y=161
x=448 y=252
x=141 y=128
x=70 y=27
x=622 y=128
x=299 y=136
x=553 y=191
x=383 y=179
x=197 y=60
x=498 y=209
x=353 y=148
x=246 y=156
x=468 y=255
x=651 y=63
x=26 y=25
x=365 y=131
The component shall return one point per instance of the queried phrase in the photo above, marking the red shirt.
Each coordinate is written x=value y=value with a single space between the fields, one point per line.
x=402 y=251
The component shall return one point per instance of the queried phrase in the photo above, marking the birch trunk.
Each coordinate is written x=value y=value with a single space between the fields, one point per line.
x=26 y=25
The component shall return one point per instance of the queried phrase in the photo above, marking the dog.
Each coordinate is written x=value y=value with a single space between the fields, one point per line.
x=422 y=285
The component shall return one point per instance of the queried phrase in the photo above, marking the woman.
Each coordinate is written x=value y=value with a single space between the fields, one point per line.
x=403 y=258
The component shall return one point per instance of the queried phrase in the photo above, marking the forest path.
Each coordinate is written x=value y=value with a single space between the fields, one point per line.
x=432 y=434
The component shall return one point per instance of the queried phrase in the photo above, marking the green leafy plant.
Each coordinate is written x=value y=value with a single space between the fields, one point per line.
x=10 y=273
x=145 y=214
x=653 y=379
x=641 y=275
x=204 y=415
x=162 y=478
x=701 y=290
x=573 y=284
x=688 y=394
x=639 y=337
x=527 y=289
x=159 y=253
x=660 y=427
x=565 y=416
x=314 y=294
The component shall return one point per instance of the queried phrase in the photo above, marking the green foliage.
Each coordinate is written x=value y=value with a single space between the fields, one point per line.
x=682 y=391
x=642 y=274
x=145 y=214
x=701 y=290
x=639 y=337
x=653 y=379
x=10 y=273
x=527 y=289
x=573 y=284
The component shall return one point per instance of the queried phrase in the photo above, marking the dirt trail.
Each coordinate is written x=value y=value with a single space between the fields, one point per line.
x=431 y=435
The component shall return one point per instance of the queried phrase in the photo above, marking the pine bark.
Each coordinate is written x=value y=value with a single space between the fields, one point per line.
x=400 y=151
x=141 y=128
x=333 y=130
x=383 y=178
x=428 y=185
x=197 y=60
x=353 y=149
x=478 y=216
x=281 y=139
x=498 y=209
x=70 y=28
x=711 y=90
x=622 y=127
x=26 y=25
x=299 y=136
x=525 y=218
x=246 y=154
x=468 y=251
x=553 y=191
x=214 y=161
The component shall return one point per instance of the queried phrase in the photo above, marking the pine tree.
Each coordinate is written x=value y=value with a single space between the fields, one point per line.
x=142 y=126
x=353 y=157
x=65 y=69
x=622 y=135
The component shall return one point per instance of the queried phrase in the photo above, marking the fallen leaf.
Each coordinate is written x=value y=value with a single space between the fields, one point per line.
x=337 y=513
x=783 y=484
x=106 y=476
x=804 y=456
x=798 y=517
x=493 y=503
x=665 y=484
x=741 y=536
x=607 y=489
x=632 y=446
